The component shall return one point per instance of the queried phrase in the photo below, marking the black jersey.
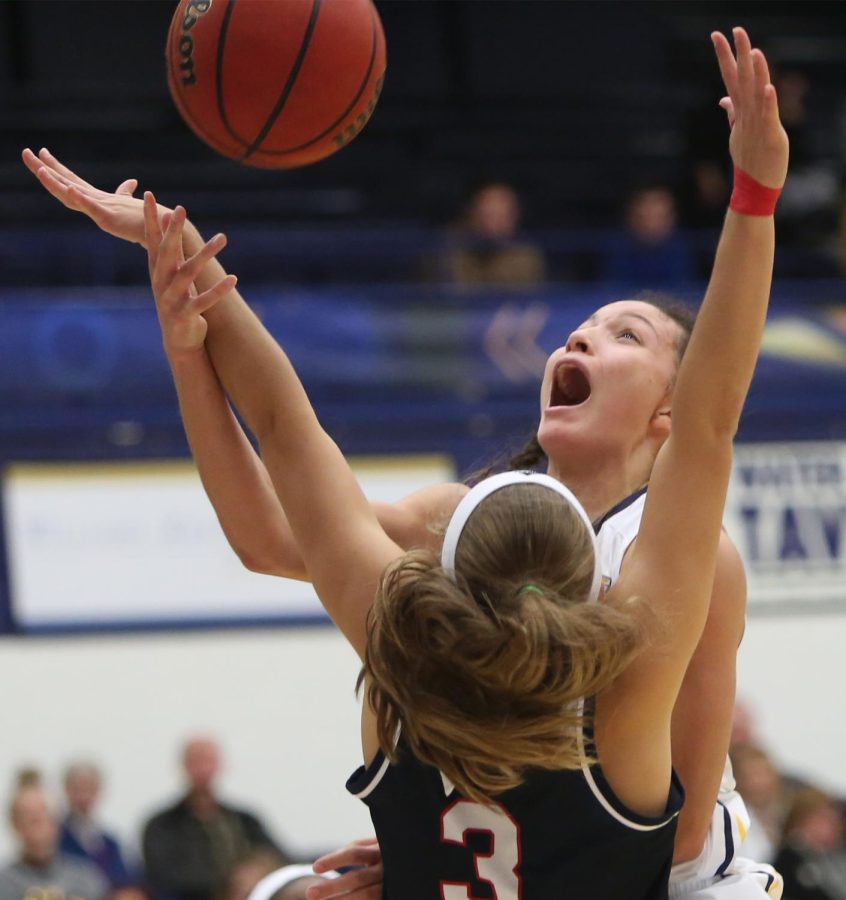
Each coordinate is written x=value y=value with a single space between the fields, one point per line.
x=561 y=835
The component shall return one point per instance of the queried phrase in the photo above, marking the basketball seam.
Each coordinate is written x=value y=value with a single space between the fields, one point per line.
x=289 y=85
x=218 y=74
x=314 y=140
x=183 y=108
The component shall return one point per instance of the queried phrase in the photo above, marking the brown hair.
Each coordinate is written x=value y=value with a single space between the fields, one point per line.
x=675 y=310
x=484 y=673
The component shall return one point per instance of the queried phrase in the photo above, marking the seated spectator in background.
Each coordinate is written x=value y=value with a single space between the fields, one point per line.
x=249 y=871
x=652 y=252
x=485 y=248
x=809 y=204
x=131 y=890
x=743 y=726
x=766 y=795
x=40 y=867
x=81 y=835
x=191 y=847
x=707 y=179
x=812 y=858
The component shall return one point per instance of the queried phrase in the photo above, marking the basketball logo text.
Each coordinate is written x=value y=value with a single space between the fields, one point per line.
x=344 y=137
x=193 y=10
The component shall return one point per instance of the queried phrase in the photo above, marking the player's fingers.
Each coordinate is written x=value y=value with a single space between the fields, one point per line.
x=56 y=176
x=129 y=187
x=358 y=853
x=762 y=72
x=745 y=68
x=351 y=884
x=170 y=248
x=374 y=892
x=204 y=302
x=49 y=160
x=188 y=270
x=30 y=160
x=211 y=248
x=728 y=106
x=87 y=204
x=59 y=189
x=152 y=225
x=771 y=100
x=726 y=61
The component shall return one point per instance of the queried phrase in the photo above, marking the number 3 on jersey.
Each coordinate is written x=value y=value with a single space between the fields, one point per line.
x=499 y=867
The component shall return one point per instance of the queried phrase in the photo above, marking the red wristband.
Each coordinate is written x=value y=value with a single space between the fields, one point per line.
x=751 y=198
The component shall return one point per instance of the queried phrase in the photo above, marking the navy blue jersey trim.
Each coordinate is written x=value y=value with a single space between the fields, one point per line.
x=363 y=776
x=626 y=816
x=103 y=626
x=623 y=504
x=729 y=840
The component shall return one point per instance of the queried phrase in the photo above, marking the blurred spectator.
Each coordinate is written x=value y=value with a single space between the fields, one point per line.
x=766 y=796
x=652 y=253
x=131 y=890
x=81 y=835
x=743 y=726
x=40 y=867
x=485 y=248
x=249 y=871
x=191 y=847
x=812 y=858
x=707 y=182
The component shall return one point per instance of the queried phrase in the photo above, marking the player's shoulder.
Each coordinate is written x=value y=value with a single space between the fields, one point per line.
x=433 y=505
x=434 y=499
x=419 y=519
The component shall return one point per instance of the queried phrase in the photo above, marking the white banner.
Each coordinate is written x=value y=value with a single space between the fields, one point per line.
x=93 y=545
x=786 y=512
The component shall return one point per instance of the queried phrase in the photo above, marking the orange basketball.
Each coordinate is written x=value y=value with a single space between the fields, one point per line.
x=276 y=83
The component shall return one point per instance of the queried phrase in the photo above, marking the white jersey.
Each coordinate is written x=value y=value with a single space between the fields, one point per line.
x=615 y=533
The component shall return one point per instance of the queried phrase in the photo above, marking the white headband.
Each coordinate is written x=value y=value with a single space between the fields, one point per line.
x=487 y=487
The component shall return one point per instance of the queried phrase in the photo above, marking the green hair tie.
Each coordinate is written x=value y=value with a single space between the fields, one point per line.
x=530 y=589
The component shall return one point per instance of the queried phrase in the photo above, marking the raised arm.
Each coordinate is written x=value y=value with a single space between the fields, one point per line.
x=232 y=473
x=673 y=562
x=702 y=715
x=679 y=536
x=344 y=548
x=205 y=367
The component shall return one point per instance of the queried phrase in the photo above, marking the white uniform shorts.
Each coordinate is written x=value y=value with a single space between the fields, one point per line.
x=718 y=873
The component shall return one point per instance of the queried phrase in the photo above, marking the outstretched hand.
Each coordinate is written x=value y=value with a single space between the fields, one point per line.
x=179 y=305
x=758 y=142
x=362 y=883
x=120 y=214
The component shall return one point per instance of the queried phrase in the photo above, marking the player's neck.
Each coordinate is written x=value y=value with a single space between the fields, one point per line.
x=600 y=484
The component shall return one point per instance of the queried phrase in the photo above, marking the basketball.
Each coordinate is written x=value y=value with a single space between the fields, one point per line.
x=275 y=83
